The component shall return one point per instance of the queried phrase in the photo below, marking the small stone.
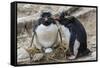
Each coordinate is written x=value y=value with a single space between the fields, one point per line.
x=37 y=56
x=22 y=55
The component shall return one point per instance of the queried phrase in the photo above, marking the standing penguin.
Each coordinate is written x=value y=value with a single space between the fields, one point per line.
x=46 y=33
x=75 y=35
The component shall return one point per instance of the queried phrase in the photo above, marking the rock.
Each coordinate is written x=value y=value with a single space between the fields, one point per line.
x=22 y=55
x=37 y=56
x=93 y=41
x=23 y=41
x=93 y=55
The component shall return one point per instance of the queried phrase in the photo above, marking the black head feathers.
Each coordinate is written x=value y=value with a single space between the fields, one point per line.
x=46 y=19
x=46 y=14
x=63 y=14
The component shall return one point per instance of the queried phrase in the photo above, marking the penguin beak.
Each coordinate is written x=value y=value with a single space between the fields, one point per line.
x=56 y=17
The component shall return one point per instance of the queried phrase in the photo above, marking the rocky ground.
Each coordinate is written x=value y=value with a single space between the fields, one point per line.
x=27 y=16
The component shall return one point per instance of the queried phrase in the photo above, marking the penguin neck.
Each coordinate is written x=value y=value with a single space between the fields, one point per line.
x=46 y=24
x=50 y=27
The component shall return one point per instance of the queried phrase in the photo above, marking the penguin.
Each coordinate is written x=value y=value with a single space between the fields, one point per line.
x=46 y=33
x=74 y=34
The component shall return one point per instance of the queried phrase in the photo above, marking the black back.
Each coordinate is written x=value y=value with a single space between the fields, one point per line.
x=75 y=27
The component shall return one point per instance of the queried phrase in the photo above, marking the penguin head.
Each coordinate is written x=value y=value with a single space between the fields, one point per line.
x=46 y=19
x=64 y=14
x=64 y=18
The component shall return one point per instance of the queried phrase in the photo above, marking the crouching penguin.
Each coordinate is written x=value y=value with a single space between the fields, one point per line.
x=46 y=33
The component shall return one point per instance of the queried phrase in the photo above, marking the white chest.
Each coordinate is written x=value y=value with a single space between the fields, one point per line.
x=65 y=34
x=46 y=35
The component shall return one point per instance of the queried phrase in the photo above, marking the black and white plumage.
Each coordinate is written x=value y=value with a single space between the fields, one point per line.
x=75 y=35
x=46 y=33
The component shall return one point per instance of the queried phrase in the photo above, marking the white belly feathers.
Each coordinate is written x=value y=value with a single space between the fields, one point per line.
x=46 y=36
x=65 y=34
